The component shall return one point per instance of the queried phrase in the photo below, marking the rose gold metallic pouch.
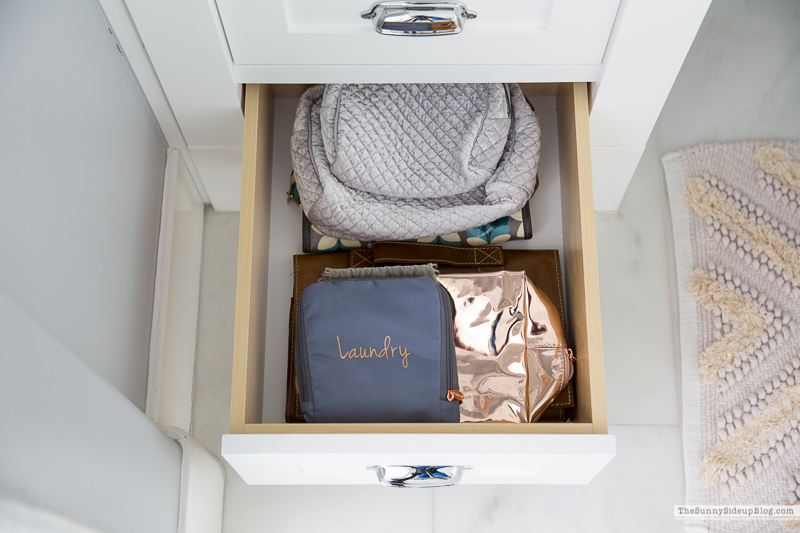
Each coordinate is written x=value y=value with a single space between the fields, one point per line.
x=511 y=351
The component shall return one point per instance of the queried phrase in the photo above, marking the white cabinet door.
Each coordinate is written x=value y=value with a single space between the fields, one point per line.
x=312 y=41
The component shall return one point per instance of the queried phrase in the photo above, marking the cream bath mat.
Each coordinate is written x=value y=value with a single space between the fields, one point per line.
x=736 y=226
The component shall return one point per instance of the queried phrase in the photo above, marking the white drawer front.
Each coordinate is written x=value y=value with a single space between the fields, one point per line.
x=344 y=459
x=297 y=41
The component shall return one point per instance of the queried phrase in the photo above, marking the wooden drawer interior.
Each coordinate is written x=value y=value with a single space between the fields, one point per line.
x=579 y=257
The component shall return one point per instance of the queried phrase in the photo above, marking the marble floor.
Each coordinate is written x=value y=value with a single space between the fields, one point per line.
x=734 y=85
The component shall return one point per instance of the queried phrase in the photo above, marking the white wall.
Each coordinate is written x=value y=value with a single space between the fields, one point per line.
x=81 y=172
x=74 y=445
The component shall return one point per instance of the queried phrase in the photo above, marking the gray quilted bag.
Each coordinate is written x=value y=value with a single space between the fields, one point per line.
x=408 y=161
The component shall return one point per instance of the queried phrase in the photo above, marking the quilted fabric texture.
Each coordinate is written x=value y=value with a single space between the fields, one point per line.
x=410 y=161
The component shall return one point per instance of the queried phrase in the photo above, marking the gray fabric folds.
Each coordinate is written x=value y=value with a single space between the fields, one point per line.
x=408 y=161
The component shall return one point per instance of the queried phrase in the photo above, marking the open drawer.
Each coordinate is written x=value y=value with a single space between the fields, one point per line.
x=277 y=453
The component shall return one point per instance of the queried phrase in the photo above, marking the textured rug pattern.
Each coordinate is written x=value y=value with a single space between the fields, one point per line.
x=736 y=227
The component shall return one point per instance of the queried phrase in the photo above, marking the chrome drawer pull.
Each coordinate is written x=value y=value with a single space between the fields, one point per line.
x=418 y=18
x=417 y=477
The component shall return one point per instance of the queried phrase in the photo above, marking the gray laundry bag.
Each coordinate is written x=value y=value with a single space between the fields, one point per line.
x=376 y=350
x=408 y=161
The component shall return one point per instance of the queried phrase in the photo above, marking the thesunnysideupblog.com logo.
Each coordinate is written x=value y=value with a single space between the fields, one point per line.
x=388 y=351
x=734 y=512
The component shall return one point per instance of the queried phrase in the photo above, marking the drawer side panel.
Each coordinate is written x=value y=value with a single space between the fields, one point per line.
x=580 y=254
x=251 y=275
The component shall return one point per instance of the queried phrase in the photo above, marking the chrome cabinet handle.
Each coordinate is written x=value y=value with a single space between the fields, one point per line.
x=419 y=476
x=418 y=18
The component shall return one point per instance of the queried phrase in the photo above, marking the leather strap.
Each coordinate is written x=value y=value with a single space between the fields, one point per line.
x=421 y=253
x=360 y=258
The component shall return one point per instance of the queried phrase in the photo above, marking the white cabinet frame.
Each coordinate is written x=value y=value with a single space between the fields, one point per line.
x=180 y=54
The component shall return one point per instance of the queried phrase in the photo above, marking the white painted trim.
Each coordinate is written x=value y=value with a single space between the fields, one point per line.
x=160 y=299
x=414 y=73
x=615 y=29
x=202 y=486
x=194 y=72
x=136 y=54
x=173 y=337
x=223 y=39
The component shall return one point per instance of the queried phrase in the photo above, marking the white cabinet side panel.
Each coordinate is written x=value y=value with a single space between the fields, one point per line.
x=189 y=54
x=645 y=53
